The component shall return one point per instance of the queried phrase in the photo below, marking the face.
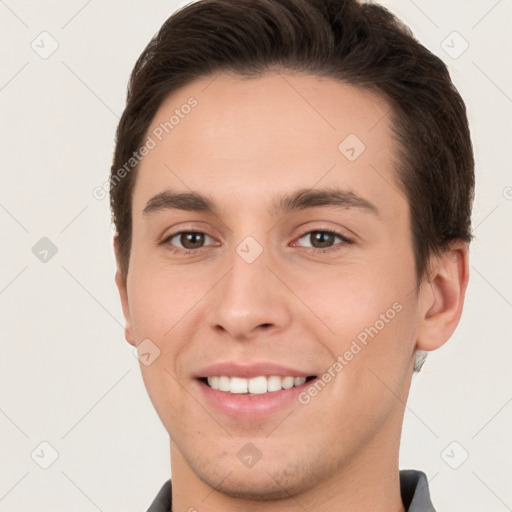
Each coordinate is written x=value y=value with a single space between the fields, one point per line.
x=293 y=261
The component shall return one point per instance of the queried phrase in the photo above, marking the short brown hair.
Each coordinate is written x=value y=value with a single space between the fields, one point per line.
x=362 y=44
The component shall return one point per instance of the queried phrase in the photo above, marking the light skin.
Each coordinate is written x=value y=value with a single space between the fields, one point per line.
x=247 y=143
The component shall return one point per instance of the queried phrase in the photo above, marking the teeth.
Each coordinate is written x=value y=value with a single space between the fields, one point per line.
x=287 y=382
x=257 y=385
x=213 y=382
x=224 y=383
x=274 y=384
x=254 y=386
x=238 y=385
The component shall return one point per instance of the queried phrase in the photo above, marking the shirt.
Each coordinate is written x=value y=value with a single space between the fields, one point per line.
x=413 y=489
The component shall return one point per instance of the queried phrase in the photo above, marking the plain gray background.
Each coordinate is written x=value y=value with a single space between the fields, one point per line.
x=68 y=378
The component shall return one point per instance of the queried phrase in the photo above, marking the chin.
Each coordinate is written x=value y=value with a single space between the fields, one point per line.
x=263 y=482
x=261 y=488
x=268 y=491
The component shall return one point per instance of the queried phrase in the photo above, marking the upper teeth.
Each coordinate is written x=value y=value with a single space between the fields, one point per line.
x=256 y=385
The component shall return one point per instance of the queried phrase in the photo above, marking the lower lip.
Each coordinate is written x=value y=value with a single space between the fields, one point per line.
x=251 y=407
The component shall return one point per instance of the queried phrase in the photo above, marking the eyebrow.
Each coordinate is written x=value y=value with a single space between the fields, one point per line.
x=300 y=200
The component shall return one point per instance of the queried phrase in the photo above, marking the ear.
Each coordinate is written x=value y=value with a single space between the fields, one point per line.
x=442 y=297
x=123 y=293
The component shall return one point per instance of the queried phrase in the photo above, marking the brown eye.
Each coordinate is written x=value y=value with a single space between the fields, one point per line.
x=187 y=240
x=322 y=239
x=192 y=240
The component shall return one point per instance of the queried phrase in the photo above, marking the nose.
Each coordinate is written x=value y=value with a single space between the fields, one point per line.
x=250 y=299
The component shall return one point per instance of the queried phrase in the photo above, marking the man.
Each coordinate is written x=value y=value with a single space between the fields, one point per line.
x=291 y=189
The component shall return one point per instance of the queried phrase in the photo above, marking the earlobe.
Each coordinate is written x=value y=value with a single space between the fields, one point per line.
x=442 y=297
x=123 y=294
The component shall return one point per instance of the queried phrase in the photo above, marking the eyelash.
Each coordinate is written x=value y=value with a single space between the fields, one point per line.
x=345 y=241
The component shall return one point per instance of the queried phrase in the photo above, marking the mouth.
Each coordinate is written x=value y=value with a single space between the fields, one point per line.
x=259 y=385
x=255 y=391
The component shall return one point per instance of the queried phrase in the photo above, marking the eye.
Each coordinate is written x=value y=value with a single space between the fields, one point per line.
x=324 y=239
x=187 y=240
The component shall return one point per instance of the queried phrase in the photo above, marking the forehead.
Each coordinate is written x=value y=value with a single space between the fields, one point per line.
x=279 y=130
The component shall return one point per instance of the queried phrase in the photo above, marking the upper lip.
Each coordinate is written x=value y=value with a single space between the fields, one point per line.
x=267 y=369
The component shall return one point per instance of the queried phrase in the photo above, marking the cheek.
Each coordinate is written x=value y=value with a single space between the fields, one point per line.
x=158 y=307
x=347 y=300
x=366 y=312
x=160 y=298
x=373 y=319
x=164 y=305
